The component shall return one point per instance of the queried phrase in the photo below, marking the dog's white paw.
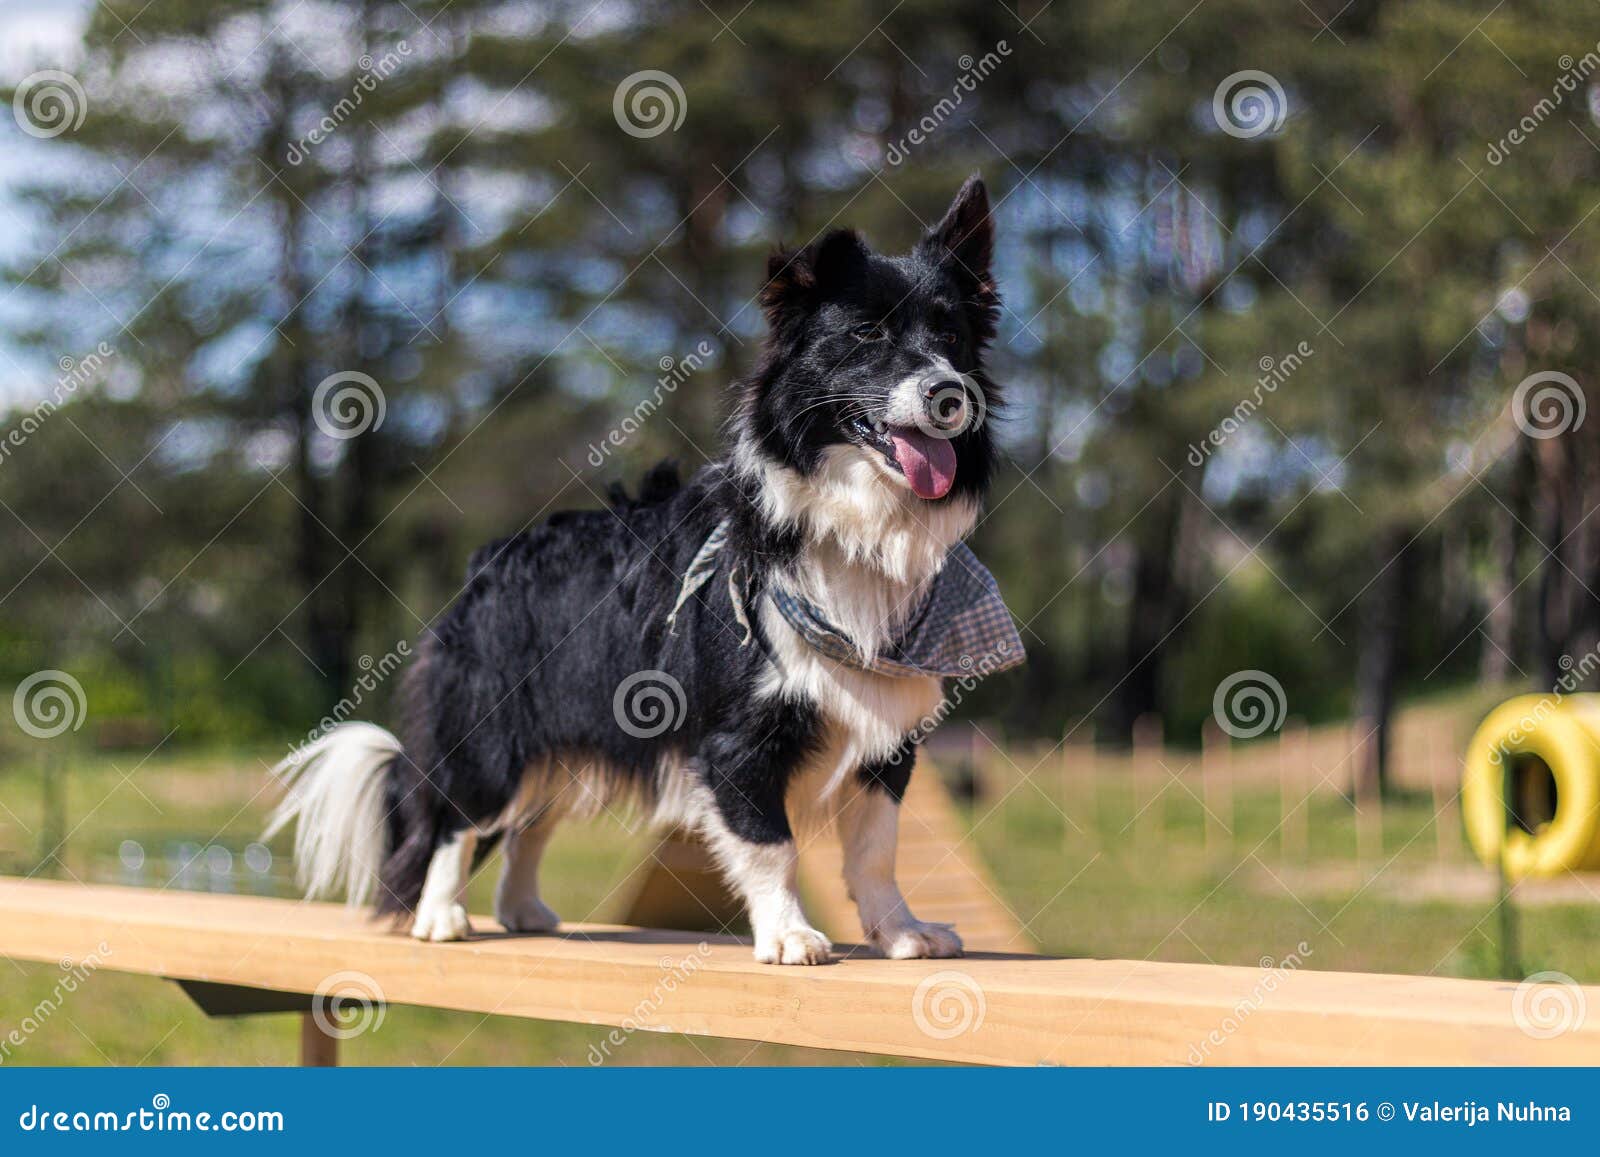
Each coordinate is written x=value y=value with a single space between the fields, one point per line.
x=529 y=914
x=441 y=922
x=794 y=946
x=917 y=940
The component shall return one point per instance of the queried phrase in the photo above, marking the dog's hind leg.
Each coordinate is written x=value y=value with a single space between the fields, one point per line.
x=869 y=825
x=516 y=900
x=442 y=911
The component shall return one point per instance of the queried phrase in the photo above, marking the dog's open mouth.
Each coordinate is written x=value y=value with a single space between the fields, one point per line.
x=927 y=461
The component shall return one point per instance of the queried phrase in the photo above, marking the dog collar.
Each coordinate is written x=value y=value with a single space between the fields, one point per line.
x=963 y=627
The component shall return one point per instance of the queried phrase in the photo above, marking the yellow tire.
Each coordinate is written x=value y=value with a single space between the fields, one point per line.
x=1565 y=735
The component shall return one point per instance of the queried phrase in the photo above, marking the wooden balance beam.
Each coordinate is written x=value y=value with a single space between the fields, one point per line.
x=240 y=954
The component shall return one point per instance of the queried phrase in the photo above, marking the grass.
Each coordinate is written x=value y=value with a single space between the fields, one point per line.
x=1086 y=876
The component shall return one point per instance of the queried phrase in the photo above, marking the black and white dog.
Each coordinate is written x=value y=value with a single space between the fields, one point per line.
x=745 y=654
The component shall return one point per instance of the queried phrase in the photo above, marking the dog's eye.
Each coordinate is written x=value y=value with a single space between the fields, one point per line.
x=948 y=338
x=869 y=331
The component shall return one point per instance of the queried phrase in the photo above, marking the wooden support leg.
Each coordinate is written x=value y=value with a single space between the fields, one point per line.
x=318 y=1050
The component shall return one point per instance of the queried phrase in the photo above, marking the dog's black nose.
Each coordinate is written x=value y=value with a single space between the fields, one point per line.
x=946 y=402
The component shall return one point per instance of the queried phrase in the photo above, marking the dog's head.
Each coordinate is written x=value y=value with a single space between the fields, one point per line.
x=879 y=359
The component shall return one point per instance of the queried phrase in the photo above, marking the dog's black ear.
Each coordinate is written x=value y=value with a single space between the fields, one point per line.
x=965 y=237
x=963 y=244
x=796 y=276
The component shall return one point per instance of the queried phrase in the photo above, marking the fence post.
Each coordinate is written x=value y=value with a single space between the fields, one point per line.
x=1147 y=774
x=1293 y=743
x=1216 y=790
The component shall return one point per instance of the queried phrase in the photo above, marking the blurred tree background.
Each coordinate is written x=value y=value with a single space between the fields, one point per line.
x=1273 y=276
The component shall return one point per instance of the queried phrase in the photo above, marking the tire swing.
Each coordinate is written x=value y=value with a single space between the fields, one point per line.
x=1551 y=748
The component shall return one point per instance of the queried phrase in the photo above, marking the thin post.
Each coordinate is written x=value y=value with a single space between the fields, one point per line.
x=1147 y=773
x=1510 y=966
x=1292 y=763
x=318 y=1050
x=1216 y=792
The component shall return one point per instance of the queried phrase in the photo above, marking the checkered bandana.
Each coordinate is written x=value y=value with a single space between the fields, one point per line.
x=962 y=627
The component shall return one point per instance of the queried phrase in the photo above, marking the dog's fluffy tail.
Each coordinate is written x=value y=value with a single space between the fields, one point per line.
x=335 y=794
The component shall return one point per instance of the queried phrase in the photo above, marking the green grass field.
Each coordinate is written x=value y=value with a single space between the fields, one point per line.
x=1117 y=888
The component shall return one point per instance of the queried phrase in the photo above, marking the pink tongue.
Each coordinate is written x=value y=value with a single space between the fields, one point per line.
x=928 y=463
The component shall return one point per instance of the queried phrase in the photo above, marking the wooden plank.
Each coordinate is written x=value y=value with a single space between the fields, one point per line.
x=988 y=1009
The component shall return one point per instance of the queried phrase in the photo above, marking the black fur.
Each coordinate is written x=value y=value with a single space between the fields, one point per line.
x=521 y=671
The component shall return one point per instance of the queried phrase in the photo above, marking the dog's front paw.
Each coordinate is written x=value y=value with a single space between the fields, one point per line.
x=441 y=922
x=530 y=914
x=795 y=946
x=917 y=940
